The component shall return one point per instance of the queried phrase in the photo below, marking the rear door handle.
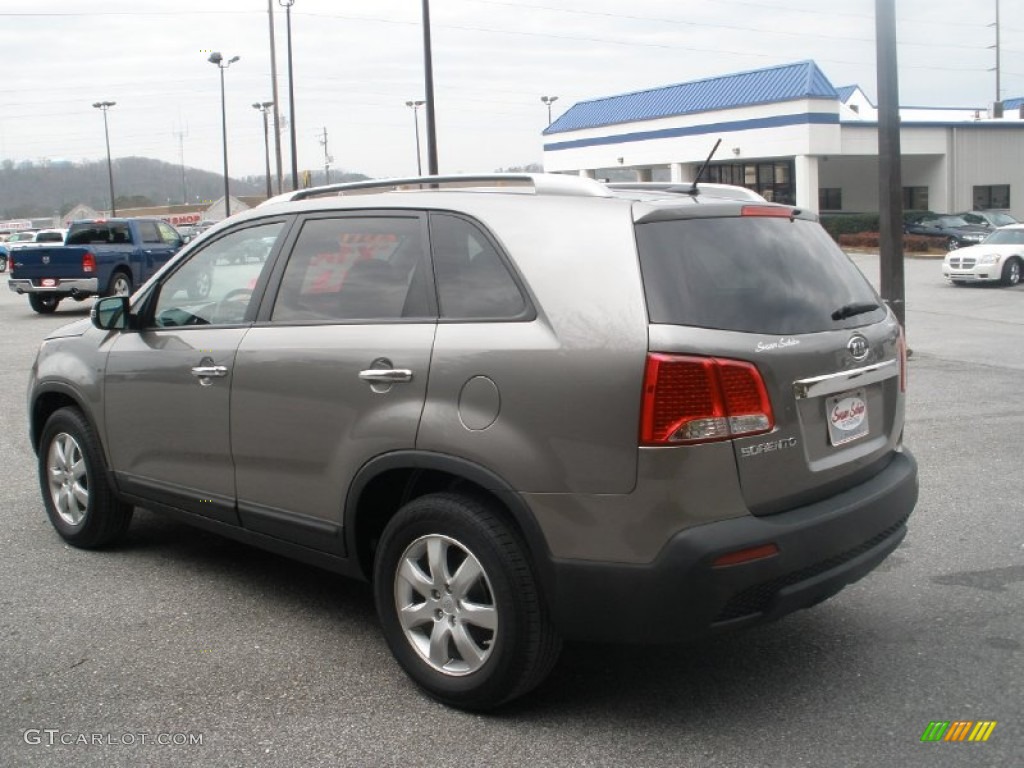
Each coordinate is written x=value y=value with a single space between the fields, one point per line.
x=386 y=375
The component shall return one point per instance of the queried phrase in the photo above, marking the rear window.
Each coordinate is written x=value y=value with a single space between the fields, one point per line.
x=750 y=274
x=95 y=232
x=49 y=237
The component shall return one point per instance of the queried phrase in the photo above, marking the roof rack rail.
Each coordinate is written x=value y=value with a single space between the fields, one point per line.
x=542 y=183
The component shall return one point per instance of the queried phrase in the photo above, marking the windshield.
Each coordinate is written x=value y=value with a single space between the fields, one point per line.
x=758 y=275
x=1006 y=237
x=1001 y=219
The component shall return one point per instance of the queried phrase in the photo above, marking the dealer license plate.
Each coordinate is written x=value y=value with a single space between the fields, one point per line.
x=847 y=416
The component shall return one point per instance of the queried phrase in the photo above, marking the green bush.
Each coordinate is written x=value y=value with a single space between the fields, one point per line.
x=837 y=224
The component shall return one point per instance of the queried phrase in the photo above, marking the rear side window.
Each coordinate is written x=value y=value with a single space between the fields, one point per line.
x=356 y=268
x=473 y=282
x=751 y=274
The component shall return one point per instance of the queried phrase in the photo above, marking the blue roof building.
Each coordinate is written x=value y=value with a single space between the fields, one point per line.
x=789 y=133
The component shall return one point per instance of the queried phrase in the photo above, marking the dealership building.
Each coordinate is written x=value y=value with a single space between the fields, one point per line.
x=791 y=135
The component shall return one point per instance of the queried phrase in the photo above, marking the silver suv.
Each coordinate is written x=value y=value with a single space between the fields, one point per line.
x=527 y=408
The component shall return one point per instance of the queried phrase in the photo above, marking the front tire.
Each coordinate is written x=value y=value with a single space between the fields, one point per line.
x=459 y=603
x=1011 y=272
x=952 y=244
x=43 y=303
x=72 y=476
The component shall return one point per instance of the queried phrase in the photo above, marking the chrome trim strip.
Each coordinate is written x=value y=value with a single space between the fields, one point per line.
x=831 y=383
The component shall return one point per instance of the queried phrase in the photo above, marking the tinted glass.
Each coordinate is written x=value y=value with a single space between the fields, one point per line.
x=758 y=275
x=211 y=288
x=473 y=282
x=358 y=268
x=49 y=237
x=87 y=234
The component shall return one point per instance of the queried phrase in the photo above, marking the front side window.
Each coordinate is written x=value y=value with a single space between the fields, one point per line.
x=355 y=268
x=209 y=289
x=168 y=234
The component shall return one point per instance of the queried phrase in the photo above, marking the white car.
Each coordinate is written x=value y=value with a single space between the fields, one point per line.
x=999 y=258
x=39 y=238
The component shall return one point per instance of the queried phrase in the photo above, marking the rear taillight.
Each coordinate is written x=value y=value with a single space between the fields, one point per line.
x=88 y=262
x=701 y=399
x=777 y=211
x=901 y=346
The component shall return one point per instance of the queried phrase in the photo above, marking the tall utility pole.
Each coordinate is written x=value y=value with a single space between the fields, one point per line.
x=180 y=134
x=104 y=106
x=327 y=157
x=273 y=93
x=890 y=185
x=998 y=68
x=428 y=75
x=291 y=92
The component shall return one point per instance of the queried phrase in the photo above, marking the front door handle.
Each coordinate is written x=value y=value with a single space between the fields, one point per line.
x=386 y=375
x=210 y=371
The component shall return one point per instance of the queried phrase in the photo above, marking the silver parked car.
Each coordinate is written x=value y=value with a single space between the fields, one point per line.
x=527 y=408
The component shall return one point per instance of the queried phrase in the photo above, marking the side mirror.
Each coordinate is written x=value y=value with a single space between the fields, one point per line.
x=110 y=313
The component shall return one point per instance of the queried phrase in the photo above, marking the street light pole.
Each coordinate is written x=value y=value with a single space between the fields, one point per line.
x=428 y=76
x=216 y=58
x=274 y=96
x=415 y=106
x=548 y=101
x=263 y=107
x=291 y=93
x=104 y=106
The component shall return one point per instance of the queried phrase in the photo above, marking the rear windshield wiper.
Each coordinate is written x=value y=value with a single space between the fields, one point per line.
x=857 y=308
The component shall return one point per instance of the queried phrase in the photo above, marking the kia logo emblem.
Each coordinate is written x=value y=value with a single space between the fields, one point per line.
x=858 y=347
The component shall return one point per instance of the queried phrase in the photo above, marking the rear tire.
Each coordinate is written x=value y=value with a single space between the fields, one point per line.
x=43 y=303
x=1011 y=272
x=120 y=284
x=459 y=603
x=73 y=478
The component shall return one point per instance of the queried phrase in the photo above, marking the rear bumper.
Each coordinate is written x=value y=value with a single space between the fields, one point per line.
x=88 y=285
x=681 y=595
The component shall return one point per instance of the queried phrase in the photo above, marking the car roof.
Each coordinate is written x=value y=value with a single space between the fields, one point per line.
x=469 y=192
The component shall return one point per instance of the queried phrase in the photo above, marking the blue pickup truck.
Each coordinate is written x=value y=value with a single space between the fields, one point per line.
x=103 y=257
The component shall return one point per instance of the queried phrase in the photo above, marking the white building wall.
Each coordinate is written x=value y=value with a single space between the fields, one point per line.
x=984 y=157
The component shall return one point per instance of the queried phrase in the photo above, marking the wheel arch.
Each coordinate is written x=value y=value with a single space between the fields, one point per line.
x=47 y=402
x=384 y=484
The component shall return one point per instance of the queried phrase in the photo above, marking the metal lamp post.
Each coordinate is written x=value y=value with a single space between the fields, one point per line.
x=415 y=106
x=548 y=101
x=216 y=58
x=104 y=106
x=264 y=107
x=291 y=92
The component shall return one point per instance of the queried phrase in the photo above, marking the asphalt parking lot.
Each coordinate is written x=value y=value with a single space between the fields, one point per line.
x=178 y=636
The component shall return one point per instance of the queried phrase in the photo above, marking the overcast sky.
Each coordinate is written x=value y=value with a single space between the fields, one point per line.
x=358 y=61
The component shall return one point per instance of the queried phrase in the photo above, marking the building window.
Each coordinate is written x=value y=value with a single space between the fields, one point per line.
x=915 y=198
x=830 y=199
x=772 y=180
x=992 y=196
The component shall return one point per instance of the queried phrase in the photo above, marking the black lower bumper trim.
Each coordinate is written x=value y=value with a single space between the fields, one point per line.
x=682 y=595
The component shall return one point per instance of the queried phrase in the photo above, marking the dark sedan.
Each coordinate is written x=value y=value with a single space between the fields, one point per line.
x=955 y=230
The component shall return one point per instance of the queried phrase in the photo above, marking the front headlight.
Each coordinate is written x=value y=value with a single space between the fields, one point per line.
x=989 y=258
